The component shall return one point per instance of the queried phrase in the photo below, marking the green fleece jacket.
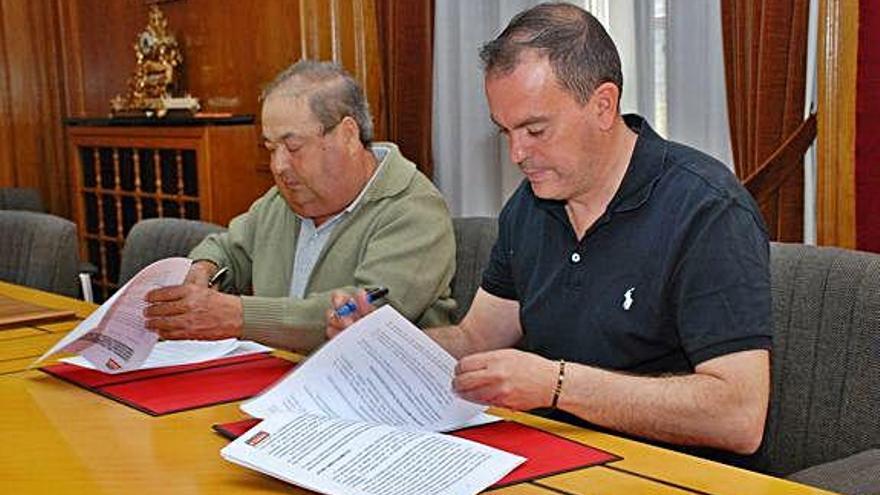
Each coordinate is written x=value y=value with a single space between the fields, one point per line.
x=399 y=236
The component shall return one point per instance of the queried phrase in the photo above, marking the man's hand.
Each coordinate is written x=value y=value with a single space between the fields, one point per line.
x=506 y=378
x=336 y=324
x=192 y=311
x=200 y=273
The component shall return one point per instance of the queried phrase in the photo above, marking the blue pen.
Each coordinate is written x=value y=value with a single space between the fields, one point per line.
x=351 y=306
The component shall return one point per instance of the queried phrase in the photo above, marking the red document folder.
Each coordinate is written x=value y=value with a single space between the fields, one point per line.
x=546 y=454
x=172 y=389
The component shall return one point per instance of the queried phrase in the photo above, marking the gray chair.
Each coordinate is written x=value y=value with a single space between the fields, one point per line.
x=825 y=398
x=29 y=199
x=474 y=237
x=21 y=198
x=157 y=238
x=39 y=250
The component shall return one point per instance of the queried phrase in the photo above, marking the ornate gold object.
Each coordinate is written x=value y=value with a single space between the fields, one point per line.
x=158 y=67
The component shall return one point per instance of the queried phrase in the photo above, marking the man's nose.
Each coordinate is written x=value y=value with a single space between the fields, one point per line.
x=515 y=149
x=279 y=162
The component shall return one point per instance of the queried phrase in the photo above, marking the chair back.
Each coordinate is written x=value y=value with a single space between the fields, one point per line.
x=21 y=198
x=825 y=398
x=157 y=238
x=39 y=250
x=474 y=238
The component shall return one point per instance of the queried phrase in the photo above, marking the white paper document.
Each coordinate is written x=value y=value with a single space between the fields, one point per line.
x=381 y=370
x=361 y=416
x=114 y=338
x=177 y=352
x=344 y=457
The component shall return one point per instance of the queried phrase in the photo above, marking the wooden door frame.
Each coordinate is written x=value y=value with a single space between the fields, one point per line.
x=837 y=69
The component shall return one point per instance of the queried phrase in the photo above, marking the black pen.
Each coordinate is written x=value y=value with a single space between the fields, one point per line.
x=350 y=307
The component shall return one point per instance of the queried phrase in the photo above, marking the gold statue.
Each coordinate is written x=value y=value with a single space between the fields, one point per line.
x=157 y=69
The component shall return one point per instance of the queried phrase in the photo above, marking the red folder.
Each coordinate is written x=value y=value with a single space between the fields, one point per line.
x=172 y=389
x=546 y=454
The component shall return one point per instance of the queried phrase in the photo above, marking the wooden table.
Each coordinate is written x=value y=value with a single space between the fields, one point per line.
x=58 y=438
x=21 y=345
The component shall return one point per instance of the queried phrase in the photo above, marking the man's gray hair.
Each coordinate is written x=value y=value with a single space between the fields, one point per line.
x=579 y=49
x=331 y=91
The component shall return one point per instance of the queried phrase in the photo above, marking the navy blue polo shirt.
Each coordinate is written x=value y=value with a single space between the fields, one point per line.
x=674 y=273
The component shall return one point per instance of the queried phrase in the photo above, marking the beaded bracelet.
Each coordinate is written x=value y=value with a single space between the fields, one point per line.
x=559 y=379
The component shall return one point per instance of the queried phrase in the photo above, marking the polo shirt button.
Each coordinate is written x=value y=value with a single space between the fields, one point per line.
x=575 y=258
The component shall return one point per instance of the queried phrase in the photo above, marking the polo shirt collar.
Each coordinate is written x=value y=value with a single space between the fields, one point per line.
x=645 y=167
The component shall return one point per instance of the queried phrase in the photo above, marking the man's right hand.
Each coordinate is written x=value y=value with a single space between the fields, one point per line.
x=200 y=273
x=336 y=324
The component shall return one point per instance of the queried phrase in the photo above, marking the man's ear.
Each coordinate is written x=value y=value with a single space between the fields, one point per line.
x=604 y=100
x=350 y=133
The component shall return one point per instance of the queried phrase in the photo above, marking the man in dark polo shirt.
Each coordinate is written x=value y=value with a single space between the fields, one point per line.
x=632 y=271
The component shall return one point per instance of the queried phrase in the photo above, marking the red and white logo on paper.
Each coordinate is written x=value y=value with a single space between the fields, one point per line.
x=113 y=365
x=257 y=438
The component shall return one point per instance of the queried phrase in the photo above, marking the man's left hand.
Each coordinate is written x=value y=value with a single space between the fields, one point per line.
x=193 y=312
x=506 y=378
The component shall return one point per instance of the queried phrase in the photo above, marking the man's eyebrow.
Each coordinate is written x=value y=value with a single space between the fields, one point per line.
x=282 y=138
x=535 y=119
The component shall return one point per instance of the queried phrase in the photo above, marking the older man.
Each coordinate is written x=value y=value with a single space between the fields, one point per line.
x=344 y=213
x=633 y=270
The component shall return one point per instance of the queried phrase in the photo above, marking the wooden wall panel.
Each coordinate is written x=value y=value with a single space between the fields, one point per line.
x=7 y=131
x=835 y=143
x=104 y=33
x=407 y=39
x=231 y=48
x=31 y=138
x=68 y=58
x=347 y=31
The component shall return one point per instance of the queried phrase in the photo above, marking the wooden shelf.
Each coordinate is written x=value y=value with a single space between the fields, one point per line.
x=199 y=170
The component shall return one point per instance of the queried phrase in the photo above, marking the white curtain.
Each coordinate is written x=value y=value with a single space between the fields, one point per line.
x=696 y=97
x=673 y=71
x=812 y=99
x=470 y=161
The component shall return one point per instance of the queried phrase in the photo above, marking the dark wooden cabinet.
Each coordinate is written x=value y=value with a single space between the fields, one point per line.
x=125 y=171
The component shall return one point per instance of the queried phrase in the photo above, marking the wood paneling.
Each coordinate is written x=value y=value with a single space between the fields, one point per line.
x=407 y=43
x=68 y=58
x=31 y=137
x=347 y=31
x=231 y=48
x=835 y=202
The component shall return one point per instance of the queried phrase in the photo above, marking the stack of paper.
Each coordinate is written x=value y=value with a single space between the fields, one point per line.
x=361 y=415
x=178 y=352
x=114 y=338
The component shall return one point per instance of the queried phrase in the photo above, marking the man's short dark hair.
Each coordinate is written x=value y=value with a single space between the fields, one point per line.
x=580 y=51
x=331 y=91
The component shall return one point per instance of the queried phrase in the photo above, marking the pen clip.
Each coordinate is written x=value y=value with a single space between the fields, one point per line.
x=218 y=276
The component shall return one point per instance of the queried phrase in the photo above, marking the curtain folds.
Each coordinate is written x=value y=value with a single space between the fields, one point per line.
x=765 y=49
x=471 y=167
